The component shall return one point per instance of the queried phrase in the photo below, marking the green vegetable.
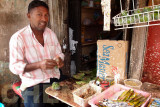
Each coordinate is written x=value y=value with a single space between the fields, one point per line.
x=124 y=13
x=125 y=20
x=86 y=79
x=120 y=22
x=146 y=18
x=155 y=16
x=80 y=82
x=130 y=20
x=147 y=9
x=157 y=7
x=137 y=11
x=55 y=85
x=141 y=18
x=78 y=76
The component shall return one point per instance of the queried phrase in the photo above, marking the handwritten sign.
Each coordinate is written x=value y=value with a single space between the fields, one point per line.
x=111 y=58
x=104 y=60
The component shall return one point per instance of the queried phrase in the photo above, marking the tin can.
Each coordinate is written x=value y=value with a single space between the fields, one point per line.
x=104 y=84
x=110 y=80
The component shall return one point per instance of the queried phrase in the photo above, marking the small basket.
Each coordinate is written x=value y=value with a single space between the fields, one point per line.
x=84 y=102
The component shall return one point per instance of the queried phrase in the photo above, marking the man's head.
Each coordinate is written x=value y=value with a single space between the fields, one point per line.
x=38 y=15
x=37 y=3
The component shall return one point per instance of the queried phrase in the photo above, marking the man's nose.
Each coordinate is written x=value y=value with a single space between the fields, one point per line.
x=44 y=18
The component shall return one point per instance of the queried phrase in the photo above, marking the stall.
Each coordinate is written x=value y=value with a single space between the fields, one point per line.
x=112 y=62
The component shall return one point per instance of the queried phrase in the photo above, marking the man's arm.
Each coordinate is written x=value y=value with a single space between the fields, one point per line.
x=16 y=55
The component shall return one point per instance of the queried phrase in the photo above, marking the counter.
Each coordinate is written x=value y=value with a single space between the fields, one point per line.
x=67 y=86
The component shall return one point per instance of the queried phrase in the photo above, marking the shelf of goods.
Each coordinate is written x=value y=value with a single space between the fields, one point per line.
x=140 y=17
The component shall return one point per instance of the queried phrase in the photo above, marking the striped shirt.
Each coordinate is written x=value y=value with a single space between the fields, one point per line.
x=25 y=49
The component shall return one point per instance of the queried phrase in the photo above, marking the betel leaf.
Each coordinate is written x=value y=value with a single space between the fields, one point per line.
x=124 y=13
x=147 y=9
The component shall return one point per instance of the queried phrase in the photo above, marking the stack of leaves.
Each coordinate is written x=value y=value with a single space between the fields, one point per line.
x=84 y=77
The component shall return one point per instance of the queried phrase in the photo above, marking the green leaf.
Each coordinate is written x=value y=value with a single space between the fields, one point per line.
x=137 y=11
x=147 y=9
x=124 y=13
x=130 y=20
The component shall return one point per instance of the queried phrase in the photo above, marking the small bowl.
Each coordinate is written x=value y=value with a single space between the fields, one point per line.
x=133 y=83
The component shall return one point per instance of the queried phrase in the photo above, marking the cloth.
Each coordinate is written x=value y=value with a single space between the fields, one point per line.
x=25 y=49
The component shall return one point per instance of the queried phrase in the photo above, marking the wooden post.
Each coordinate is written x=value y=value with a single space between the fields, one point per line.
x=58 y=10
x=138 y=47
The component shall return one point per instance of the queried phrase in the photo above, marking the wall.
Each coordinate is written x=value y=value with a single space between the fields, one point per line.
x=151 y=69
x=12 y=18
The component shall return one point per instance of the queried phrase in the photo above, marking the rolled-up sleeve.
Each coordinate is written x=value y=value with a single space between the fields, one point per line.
x=58 y=47
x=59 y=51
x=16 y=55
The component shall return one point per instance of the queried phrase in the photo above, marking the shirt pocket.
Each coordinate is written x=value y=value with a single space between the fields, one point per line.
x=32 y=54
x=52 y=51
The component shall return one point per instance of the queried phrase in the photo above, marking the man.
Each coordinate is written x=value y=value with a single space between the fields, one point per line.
x=35 y=54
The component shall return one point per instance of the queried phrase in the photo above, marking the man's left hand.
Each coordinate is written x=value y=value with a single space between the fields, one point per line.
x=60 y=62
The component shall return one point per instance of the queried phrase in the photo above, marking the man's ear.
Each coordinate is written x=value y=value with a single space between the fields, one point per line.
x=28 y=15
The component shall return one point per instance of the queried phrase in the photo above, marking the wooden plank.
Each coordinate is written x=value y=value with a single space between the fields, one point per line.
x=138 y=47
x=59 y=14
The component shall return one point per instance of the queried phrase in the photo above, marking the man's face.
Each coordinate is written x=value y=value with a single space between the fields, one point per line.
x=38 y=18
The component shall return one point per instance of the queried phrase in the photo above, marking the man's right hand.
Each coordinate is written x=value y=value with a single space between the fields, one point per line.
x=43 y=65
x=48 y=64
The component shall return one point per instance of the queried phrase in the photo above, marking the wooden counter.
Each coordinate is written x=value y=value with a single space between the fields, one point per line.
x=65 y=94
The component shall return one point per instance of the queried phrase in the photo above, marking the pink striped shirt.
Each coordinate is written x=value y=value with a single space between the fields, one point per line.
x=25 y=49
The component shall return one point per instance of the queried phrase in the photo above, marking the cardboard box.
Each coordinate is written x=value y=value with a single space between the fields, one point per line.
x=112 y=58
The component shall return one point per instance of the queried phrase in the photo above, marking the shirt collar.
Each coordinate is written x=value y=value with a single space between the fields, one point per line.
x=31 y=32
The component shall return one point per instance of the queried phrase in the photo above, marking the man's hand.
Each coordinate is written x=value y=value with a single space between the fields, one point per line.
x=48 y=64
x=59 y=62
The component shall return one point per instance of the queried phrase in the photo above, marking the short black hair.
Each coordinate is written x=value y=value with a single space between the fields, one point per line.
x=37 y=3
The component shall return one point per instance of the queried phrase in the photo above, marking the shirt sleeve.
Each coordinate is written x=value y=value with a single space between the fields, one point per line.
x=16 y=47
x=58 y=47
